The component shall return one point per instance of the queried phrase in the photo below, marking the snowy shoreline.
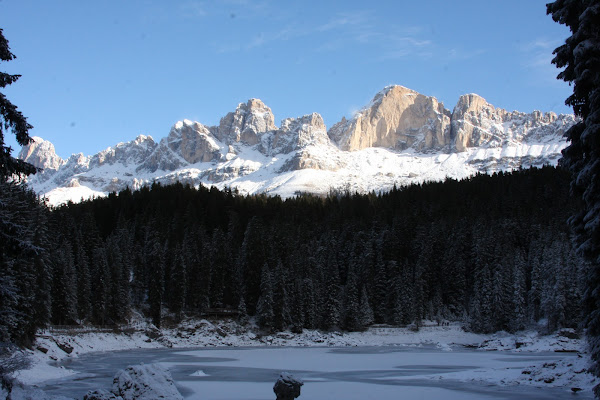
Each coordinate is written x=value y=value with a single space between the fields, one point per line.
x=52 y=347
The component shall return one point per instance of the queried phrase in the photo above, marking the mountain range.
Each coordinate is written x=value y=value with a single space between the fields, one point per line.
x=400 y=137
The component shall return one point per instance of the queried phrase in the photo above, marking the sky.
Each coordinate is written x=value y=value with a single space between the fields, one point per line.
x=96 y=73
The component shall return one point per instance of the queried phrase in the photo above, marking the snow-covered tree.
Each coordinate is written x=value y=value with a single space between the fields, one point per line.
x=11 y=118
x=281 y=299
x=100 y=285
x=264 y=307
x=177 y=283
x=366 y=316
x=24 y=248
x=64 y=286
x=580 y=58
x=331 y=306
x=517 y=307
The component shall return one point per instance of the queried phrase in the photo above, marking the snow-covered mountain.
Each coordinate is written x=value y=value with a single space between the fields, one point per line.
x=401 y=137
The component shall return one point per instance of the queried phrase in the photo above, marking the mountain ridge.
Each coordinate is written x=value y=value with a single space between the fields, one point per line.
x=400 y=137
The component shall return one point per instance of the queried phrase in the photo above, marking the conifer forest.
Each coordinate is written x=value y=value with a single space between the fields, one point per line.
x=491 y=251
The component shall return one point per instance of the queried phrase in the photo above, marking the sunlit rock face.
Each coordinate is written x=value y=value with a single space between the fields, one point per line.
x=397 y=118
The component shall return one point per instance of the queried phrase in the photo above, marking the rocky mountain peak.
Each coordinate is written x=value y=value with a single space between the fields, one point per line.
x=473 y=103
x=246 y=123
x=475 y=123
x=193 y=141
x=396 y=118
x=41 y=154
x=297 y=133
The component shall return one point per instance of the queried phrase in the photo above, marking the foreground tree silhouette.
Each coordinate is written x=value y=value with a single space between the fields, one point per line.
x=11 y=119
x=25 y=298
x=580 y=58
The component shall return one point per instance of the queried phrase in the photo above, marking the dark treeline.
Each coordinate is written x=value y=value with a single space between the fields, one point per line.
x=492 y=251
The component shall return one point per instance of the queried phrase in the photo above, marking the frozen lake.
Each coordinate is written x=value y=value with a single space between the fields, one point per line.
x=349 y=373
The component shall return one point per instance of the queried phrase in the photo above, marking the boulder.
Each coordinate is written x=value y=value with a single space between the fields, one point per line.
x=145 y=382
x=101 y=395
x=287 y=387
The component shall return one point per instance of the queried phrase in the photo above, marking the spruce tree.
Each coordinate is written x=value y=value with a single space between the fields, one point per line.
x=24 y=248
x=100 y=286
x=366 y=316
x=177 y=290
x=11 y=119
x=155 y=262
x=580 y=58
x=64 y=286
x=264 y=308
x=82 y=267
x=331 y=306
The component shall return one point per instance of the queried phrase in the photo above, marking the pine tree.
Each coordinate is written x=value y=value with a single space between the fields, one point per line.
x=296 y=308
x=580 y=58
x=101 y=286
x=64 y=286
x=177 y=293
x=23 y=255
x=11 y=118
x=264 y=308
x=218 y=268
x=380 y=288
x=481 y=312
x=281 y=299
x=84 y=305
x=242 y=312
x=402 y=301
x=518 y=312
x=155 y=262
x=42 y=300
x=119 y=277
x=366 y=316
x=332 y=307
x=252 y=258
x=309 y=303
x=9 y=299
x=352 y=320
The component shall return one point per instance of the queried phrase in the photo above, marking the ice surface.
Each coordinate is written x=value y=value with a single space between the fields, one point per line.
x=236 y=362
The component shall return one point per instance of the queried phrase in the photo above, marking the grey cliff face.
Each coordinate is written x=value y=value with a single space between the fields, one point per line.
x=246 y=123
x=162 y=158
x=128 y=153
x=477 y=123
x=297 y=133
x=41 y=154
x=194 y=142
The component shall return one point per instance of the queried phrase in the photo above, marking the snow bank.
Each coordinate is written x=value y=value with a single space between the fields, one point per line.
x=18 y=391
x=570 y=372
x=145 y=382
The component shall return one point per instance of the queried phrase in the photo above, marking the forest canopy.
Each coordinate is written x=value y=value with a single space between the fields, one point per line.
x=491 y=251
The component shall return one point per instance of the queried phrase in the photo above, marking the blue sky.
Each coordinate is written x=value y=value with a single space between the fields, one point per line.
x=95 y=73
